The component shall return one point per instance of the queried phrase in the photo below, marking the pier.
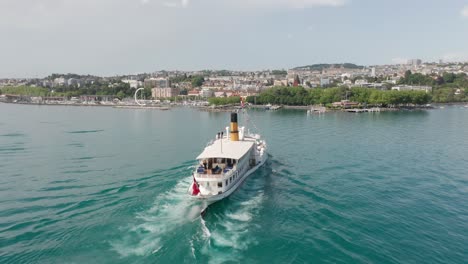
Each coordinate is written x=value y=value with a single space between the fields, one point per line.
x=364 y=110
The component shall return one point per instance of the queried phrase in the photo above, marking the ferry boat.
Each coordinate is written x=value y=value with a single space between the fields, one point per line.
x=226 y=162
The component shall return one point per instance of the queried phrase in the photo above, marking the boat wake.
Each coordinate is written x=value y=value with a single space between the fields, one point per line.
x=225 y=234
x=174 y=226
x=169 y=213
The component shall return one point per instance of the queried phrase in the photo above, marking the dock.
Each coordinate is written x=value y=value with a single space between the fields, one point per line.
x=364 y=110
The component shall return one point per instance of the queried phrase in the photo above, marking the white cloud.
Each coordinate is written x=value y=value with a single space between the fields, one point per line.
x=185 y=3
x=464 y=11
x=399 y=60
x=176 y=3
x=144 y=2
x=295 y=4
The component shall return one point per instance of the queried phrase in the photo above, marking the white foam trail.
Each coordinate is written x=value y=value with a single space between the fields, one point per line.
x=206 y=231
x=244 y=217
x=233 y=232
x=192 y=248
x=171 y=210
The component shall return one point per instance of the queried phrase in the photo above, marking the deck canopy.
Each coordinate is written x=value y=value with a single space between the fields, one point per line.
x=228 y=150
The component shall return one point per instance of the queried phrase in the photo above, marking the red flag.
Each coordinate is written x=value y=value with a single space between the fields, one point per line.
x=195 y=189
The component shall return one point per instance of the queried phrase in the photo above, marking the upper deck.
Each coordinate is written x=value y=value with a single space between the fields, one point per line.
x=225 y=148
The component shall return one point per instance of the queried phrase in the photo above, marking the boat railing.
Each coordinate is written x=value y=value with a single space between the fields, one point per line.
x=209 y=143
x=227 y=171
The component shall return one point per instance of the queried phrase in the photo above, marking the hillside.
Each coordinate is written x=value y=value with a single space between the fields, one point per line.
x=319 y=67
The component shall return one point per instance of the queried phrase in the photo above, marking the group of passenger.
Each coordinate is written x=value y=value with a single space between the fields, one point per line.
x=211 y=167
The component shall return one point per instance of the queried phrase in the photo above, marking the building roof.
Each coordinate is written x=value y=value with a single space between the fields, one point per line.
x=229 y=150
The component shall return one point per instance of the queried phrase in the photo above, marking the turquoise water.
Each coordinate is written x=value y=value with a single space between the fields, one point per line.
x=104 y=185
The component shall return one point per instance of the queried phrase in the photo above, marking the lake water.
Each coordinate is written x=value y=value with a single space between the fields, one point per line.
x=104 y=185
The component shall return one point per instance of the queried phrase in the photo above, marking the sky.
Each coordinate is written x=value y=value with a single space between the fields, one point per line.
x=115 y=37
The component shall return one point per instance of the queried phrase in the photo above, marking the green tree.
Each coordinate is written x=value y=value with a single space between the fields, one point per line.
x=197 y=81
x=120 y=95
x=449 y=77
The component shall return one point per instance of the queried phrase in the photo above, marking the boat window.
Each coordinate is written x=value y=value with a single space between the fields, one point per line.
x=226 y=182
x=220 y=184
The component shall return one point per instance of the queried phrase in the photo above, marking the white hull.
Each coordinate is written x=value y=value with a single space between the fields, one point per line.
x=226 y=162
x=214 y=198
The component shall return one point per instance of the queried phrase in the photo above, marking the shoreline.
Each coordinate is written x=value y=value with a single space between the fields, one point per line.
x=162 y=107
x=230 y=108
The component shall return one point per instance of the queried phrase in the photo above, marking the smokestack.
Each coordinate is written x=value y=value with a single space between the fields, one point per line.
x=234 y=129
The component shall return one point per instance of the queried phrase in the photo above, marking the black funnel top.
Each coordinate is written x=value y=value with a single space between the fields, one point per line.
x=233 y=117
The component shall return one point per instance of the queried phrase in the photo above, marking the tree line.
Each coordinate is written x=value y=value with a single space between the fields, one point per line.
x=446 y=80
x=118 y=89
x=224 y=100
x=301 y=96
x=195 y=80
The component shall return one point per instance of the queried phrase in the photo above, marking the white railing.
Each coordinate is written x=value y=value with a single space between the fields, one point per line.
x=216 y=176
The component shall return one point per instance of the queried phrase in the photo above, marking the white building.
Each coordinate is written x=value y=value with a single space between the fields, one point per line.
x=324 y=82
x=205 y=92
x=74 y=82
x=60 y=81
x=220 y=94
x=427 y=89
x=157 y=83
x=133 y=83
x=361 y=82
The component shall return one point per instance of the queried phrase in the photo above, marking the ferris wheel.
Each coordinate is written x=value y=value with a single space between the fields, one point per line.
x=136 y=98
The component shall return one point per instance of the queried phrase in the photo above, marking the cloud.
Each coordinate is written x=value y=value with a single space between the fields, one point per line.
x=399 y=60
x=464 y=11
x=144 y=2
x=293 y=4
x=176 y=3
x=185 y=3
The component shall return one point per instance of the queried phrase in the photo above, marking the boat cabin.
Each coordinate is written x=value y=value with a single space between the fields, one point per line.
x=222 y=164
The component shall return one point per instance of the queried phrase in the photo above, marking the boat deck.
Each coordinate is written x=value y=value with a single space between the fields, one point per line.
x=214 y=173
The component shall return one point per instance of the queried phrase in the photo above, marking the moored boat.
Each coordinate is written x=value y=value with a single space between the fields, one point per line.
x=226 y=162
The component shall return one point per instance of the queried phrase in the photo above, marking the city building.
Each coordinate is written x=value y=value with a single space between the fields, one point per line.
x=60 y=81
x=427 y=89
x=324 y=82
x=74 y=82
x=280 y=83
x=415 y=62
x=220 y=94
x=133 y=83
x=361 y=82
x=193 y=93
x=205 y=92
x=164 y=92
x=157 y=83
